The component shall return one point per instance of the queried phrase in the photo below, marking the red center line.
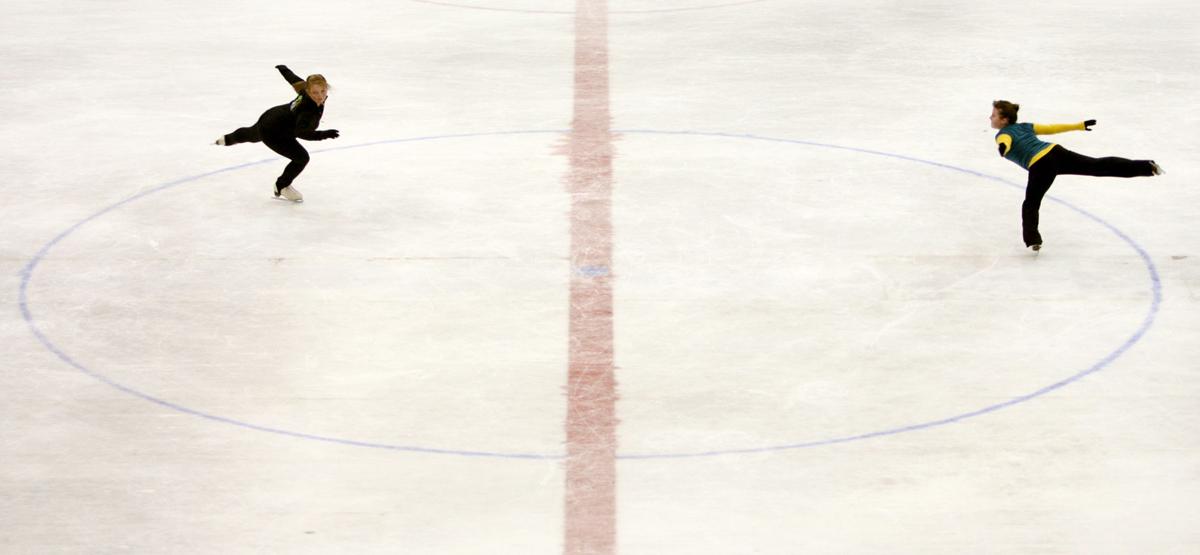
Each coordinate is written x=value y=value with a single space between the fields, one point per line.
x=591 y=469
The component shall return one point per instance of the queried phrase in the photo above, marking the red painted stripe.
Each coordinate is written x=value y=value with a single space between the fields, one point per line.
x=591 y=470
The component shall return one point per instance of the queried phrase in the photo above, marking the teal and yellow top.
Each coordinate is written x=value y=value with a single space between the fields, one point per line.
x=1020 y=144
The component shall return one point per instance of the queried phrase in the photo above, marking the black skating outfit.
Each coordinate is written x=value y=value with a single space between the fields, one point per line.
x=279 y=127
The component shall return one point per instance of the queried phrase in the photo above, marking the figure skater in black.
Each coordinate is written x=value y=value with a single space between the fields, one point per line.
x=279 y=127
x=1018 y=142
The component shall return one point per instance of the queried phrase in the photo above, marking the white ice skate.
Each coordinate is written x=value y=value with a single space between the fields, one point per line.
x=289 y=193
x=220 y=141
x=1157 y=168
x=1036 y=247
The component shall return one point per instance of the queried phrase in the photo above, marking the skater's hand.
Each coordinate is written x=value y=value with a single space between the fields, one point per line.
x=329 y=134
x=1087 y=125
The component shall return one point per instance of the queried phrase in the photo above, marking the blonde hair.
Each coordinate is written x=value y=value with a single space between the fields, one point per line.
x=318 y=80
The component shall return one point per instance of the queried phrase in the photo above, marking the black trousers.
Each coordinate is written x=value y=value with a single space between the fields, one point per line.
x=1060 y=161
x=275 y=129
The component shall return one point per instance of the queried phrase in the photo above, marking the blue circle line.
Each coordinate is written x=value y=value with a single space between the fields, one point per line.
x=27 y=273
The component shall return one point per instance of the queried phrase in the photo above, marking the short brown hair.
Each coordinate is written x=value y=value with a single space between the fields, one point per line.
x=1007 y=110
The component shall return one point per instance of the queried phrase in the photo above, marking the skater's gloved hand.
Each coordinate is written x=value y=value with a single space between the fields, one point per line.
x=1087 y=125
x=329 y=134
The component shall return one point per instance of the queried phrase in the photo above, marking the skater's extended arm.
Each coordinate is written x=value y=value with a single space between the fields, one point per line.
x=1052 y=128
x=1004 y=141
x=297 y=83
x=317 y=134
x=306 y=128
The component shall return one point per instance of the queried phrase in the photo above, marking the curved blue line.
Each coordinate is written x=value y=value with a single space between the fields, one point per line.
x=1156 y=288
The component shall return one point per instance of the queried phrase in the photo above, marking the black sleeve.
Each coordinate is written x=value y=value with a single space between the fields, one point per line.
x=306 y=127
x=1003 y=149
x=287 y=74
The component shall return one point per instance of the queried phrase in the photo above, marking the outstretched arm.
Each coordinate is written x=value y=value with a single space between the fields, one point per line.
x=1052 y=128
x=306 y=128
x=297 y=83
x=317 y=134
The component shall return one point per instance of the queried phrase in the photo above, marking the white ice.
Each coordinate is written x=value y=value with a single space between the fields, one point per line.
x=769 y=292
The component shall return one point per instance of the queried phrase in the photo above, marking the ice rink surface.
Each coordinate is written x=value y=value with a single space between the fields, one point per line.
x=827 y=335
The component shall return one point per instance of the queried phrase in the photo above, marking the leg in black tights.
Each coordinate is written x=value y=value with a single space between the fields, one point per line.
x=1061 y=161
x=244 y=135
x=1040 y=180
x=1071 y=163
x=289 y=148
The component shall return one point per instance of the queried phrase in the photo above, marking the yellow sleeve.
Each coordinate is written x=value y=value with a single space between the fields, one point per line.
x=1006 y=140
x=1052 y=128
